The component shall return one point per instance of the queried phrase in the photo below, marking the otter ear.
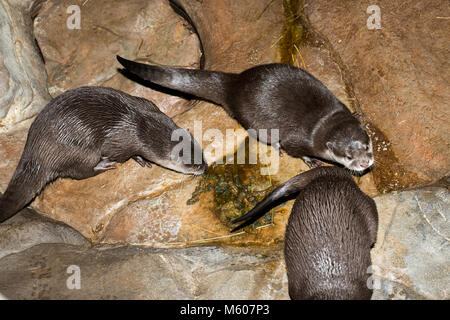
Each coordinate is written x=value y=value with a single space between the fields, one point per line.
x=329 y=146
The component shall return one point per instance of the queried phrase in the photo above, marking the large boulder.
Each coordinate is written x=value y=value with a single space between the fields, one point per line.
x=410 y=259
x=399 y=81
x=42 y=272
x=27 y=229
x=159 y=207
x=23 y=82
x=178 y=210
x=145 y=30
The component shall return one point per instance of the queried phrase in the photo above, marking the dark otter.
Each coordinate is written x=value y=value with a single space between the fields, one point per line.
x=331 y=229
x=312 y=122
x=86 y=131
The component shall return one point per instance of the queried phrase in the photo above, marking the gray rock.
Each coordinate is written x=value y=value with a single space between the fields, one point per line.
x=210 y=272
x=412 y=254
x=23 y=84
x=410 y=261
x=27 y=229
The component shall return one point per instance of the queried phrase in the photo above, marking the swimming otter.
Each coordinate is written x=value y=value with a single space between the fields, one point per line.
x=313 y=124
x=331 y=229
x=86 y=131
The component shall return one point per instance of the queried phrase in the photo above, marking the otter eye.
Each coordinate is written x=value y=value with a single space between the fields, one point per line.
x=348 y=158
x=367 y=148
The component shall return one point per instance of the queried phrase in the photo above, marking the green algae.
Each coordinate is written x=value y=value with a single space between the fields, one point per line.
x=236 y=188
x=294 y=34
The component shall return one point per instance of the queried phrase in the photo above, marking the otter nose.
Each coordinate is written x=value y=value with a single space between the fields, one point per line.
x=364 y=163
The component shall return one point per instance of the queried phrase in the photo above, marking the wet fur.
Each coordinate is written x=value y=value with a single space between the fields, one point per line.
x=272 y=96
x=79 y=128
x=330 y=232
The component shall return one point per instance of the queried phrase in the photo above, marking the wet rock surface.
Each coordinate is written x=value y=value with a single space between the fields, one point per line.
x=410 y=261
x=398 y=79
x=220 y=24
x=148 y=31
x=27 y=229
x=11 y=147
x=412 y=254
x=173 y=216
x=111 y=207
x=191 y=273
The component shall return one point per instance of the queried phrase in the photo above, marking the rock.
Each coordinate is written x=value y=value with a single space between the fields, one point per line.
x=88 y=205
x=198 y=211
x=177 y=209
x=395 y=71
x=155 y=206
x=27 y=229
x=413 y=249
x=220 y=25
x=23 y=82
x=274 y=33
x=11 y=147
x=136 y=273
x=148 y=31
x=410 y=261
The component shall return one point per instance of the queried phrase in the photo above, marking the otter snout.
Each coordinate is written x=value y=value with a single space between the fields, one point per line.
x=364 y=164
x=201 y=168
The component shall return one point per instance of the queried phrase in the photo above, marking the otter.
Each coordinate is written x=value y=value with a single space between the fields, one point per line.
x=88 y=130
x=313 y=124
x=331 y=229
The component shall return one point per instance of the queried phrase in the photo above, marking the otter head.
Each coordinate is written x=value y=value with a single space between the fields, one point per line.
x=350 y=145
x=174 y=148
x=187 y=154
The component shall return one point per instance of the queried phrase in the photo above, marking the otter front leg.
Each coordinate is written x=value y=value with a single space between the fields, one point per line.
x=142 y=162
x=311 y=162
x=105 y=164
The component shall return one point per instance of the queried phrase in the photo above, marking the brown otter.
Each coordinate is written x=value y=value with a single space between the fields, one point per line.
x=86 y=131
x=330 y=232
x=313 y=124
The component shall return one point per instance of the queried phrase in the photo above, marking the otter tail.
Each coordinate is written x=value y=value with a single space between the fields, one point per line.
x=28 y=181
x=284 y=191
x=209 y=85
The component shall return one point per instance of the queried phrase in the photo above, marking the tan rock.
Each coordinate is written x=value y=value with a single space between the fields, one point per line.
x=144 y=30
x=154 y=206
x=399 y=80
x=11 y=147
x=161 y=208
x=237 y=35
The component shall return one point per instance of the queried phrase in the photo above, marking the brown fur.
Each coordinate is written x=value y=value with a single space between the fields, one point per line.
x=84 y=132
x=312 y=123
x=330 y=232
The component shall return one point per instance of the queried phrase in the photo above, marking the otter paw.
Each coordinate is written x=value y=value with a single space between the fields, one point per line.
x=280 y=151
x=142 y=162
x=312 y=163
x=105 y=164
